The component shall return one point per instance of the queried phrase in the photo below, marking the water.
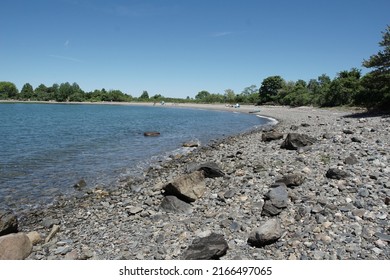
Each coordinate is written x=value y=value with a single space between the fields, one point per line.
x=46 y=148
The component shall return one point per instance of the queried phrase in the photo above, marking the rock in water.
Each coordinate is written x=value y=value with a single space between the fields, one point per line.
x=151 y=133
x=15 y=246
x=211 y=247
x=268 y=233
x=80 y=184
x=172 y=204
x=8 y=223
x=188 y=187
x=294 y=141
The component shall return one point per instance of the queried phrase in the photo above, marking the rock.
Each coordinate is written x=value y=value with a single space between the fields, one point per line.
x=189 y=187
x=53 y=232
x=278 y=196
x=49 y=222
x=356 y=139
x=80 y=184
x=347 y=131
x=270 y=210
x=268 y=233
x=132 y=210
x=8 y=222
x=387 y=200
x=152 y=133
x=34 y=237
x=294 y=179
x=174 y=205
x=271 y=136
x=382 y=236
x=229 y=193
x=190 y=144
x=335 y=173
x=210 y=169
x=351 y=159
x=294 y=141
x=211 y=247
x=15 y=246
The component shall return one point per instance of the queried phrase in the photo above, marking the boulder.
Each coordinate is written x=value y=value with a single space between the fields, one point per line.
x=294 y=141
x=172 y=204
x=294 y=179
x=210 y=169
x=335 y=173
x=271 y=136
x=188 y=187
x=34 y=237
x=211 y=247
x=80 y=184
x=268 y=233
x=15 y=246
x=275 y=200
x=151 y=133
x=8 y=222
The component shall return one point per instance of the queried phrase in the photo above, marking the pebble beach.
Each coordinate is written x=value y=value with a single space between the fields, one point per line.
x=324 y=196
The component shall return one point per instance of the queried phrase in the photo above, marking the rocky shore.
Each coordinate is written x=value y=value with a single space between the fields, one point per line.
x=314 y=186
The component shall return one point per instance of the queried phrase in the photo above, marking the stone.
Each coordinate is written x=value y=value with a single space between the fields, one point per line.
x=268 y=233
x=351 y=159
x=188 y=188
x=336 y=173
x=15 y=246
x=229 y=193
x=190 y=144
x=347 y=131
x=211 y=247
x=271 y=136
x=294 y=179
x=151 y=133
x=34 y=237
x=49 y=222
x=210 y=169
x=270 y=210
x=134 y=210
x=8 y=222
x=356 y=139
x=172 y=204
x=278 y=195
x=382 y=236
x=80 y=184
x=53 y=232
x=293 y=141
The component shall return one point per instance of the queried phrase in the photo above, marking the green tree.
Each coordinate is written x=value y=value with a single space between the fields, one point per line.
x=249 y=95
x=42 y=93
x=144 y=95
x=27 y=92
x=8 y=90
x=269 y=88
x=376 y=84
x=202 y=95
x=230 y=96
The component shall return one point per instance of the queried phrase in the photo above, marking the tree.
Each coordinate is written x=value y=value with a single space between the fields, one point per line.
x=269 y=88
x=8 y=90
x=376 y=84
x=230 y=96
x=144 y=95
x=202 y=95
x=27 y=91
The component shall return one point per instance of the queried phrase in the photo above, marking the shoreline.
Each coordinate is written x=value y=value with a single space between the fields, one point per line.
x=324 y=218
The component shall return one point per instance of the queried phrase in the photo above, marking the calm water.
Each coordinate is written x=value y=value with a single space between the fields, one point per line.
x=46 y=148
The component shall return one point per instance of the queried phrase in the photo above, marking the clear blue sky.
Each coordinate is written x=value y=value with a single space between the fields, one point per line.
x=178 y=48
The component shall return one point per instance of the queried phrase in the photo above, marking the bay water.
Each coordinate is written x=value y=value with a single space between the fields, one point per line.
x=46 y=148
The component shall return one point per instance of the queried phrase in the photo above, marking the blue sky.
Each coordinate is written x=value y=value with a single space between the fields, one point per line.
x=178 y=48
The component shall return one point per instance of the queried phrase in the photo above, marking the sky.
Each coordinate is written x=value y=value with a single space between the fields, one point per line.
x=178 y=48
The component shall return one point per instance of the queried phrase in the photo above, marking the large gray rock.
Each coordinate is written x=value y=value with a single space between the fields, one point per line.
x=271 y=136
x=8 y=222
x=210 y=247
x=275 y=200
x=294 y=141
x=189 y=187
x=15 y=246
x=210 y=169
x=172 y=204
x=268 y=233
x=294 y=179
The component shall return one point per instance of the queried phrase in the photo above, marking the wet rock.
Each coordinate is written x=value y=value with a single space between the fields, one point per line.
x=294 y=179
x=189 y=187
x=336 y=173
x=294 y=141
x=80 y=184
x=268 y=233
x=8 y=222
x=191 y=144
x=15 y=246
x=151 y=133
x=210 y=247
x=271 y=136
x=172 y=204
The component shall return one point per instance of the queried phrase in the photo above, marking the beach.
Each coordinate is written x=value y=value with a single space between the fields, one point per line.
x=325 y=195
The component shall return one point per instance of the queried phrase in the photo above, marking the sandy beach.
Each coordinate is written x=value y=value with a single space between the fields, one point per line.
x=251 y=196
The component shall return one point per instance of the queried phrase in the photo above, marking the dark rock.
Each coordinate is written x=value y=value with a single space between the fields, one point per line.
x=8 y=222
x=356 y=140
x=151 y=133
x=271 y=135
x=15 y=246
x=335 y=173
x=268 y=233
x=188 y=187
x=347 y=131
x=387 y=200
x=294 y=179
x=351 y=160
x=294 y=141
x=294 y=127
x=305 y=124
x=270 y=210
x=278 y=196
x=210 y=247
x=210 y=169
x=172 y=204
x=80 y=184
x=229 y=193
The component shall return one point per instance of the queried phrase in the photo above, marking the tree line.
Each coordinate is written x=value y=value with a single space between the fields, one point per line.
x=348 y=88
